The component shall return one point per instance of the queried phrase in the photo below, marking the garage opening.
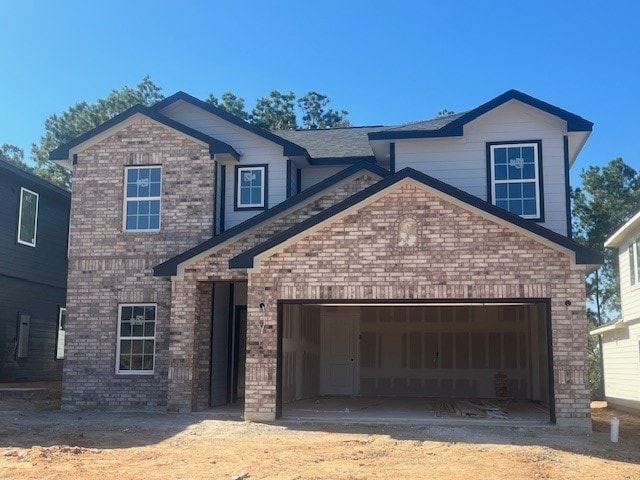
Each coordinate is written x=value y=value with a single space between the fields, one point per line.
x=467 y=360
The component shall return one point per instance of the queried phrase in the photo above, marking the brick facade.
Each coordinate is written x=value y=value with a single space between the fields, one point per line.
x=108 y=266
x=458 y=255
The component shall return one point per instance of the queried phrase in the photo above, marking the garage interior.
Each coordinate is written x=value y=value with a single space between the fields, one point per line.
x=421 y=361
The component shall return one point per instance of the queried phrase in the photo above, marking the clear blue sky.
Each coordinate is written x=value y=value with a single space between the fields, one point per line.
x=385 y=62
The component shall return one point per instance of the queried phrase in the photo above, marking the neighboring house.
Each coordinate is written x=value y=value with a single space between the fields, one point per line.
x=34 y=225
x=211 y=260
x=620 y=339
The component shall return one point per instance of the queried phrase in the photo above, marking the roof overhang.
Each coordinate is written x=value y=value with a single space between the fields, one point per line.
x=455 y=128
x=621 y=235
x=64 y=154
x=176 y=265
x=580 y=255
x=618 y=325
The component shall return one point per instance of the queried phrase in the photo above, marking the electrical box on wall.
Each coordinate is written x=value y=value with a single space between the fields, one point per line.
x=22 y=349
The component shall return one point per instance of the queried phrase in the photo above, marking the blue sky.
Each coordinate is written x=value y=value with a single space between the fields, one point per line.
x=385 y=62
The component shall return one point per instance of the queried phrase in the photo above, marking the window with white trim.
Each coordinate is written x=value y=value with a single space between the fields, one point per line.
x=515 y=178
x=251 y=187
x=136 y=338
x=634 y=261
x=28 y=217
x=62 y=324
x=142 y=192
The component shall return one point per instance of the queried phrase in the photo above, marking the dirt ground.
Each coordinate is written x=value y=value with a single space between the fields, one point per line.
x=37 y=441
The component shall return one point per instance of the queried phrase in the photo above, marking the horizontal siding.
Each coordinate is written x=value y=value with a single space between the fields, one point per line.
x=312 y=175
x=46 y=262
x=621 y=353
x=254 y=150
x=41 y=302
x=462 y=162
x=629 y=294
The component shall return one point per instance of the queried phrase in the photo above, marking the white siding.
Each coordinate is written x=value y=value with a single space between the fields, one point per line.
x=621 y=353
x=462 y=161
x=629 y=294
x=252 y=148
x=312 y=175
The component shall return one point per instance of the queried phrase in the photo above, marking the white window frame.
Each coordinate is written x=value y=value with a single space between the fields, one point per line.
x=536 y=179
x=61 y=333
x=263 y=187
x=131 y=337
x=35 y=226
x=634 y=266
x=126 y=200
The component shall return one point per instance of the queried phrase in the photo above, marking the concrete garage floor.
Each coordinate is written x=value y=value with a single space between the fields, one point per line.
x=414 y=410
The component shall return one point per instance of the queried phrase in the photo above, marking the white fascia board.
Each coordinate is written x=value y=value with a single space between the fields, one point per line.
x=623 y=232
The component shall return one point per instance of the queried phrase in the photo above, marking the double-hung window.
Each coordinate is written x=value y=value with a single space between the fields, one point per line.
x=136 y=338
x=142 y=199
x=515 y=182
x=251 y=187
x=28 y=217
x=634 y=261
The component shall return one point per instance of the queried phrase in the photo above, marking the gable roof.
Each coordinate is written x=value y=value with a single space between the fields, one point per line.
x=583 y=255
x=170 y=267
x=33 y=178
x=290 y=148
x=623 y=232
x=215 y=146
x=452 y=125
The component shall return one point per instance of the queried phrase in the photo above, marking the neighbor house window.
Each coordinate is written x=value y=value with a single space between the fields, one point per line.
x=62 y=323
x=634 y=261
x=251 y=187
x=28 y=217
x=515 y=183
x=142 y=199
x=136 y=338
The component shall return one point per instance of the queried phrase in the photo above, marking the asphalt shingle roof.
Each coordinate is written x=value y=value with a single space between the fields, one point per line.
x=332 y=142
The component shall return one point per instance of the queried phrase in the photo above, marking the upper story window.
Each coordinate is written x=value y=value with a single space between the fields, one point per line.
x=136 y=338
x=28 y=217
x=251 y=187
x=515 y=180
x=634 y=261
x=142 y=199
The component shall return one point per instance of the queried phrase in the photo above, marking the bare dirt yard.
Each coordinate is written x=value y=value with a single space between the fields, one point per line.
x=37 y=441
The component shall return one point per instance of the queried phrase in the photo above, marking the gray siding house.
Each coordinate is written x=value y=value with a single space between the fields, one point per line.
x=34 y=224
x=212 y=261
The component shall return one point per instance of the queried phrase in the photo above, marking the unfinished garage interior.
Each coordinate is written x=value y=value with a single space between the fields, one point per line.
x=438 y=358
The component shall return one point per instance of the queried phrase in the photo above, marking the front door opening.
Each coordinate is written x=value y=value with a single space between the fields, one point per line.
x=496 y=352
x=228 y=343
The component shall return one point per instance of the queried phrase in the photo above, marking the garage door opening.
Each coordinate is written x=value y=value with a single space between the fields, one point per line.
x=467 y=360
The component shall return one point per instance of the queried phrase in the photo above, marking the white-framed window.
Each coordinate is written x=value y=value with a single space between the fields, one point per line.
x=251 y=187
x=634 y=261
x=515 y=178
x=136 y=338
x=28 y=217
x=142 y=191
x=62 y=324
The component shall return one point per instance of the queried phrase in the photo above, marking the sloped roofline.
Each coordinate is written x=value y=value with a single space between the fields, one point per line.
x=32 y=177
x=170 y=267
x=215 y=146
x=290 y=149
x=621 y=234
x=583 y=255
x=454 y=128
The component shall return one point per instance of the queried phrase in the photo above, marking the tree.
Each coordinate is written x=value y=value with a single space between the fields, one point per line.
x=445 y=113
x=316 y=116
x=275 y=112
x=14 y=155
x=231 y=103
x=81 y=118
x=608 y=197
